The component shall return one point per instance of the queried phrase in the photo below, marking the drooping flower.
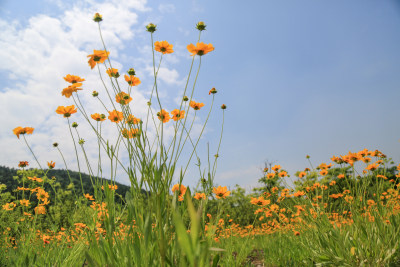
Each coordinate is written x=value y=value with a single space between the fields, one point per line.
x=221 y=192
x=115 y=116
x=178 y=114
x=132 y=80
x=98 y=56
x=73 y=78
x=123 y=98
x=163 y=116
x=132 y=133
x=132 y=120
x=66 y=111
x=51 y=164
x=67 y=92
x=163 y=47
x=98 y=117
x=26 y=130
x=195 y=105
x=200 y=49
x=113 y=72
x=199 y=196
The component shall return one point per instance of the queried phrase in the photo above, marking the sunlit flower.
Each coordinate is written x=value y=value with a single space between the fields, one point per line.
x=23 y=164
x=40 y=209
x=177 y=114
x=163 y=47
x=66 y=111
x=88 y=197
x=98 y=117
x=302 y=174
x=42 y=195
x=372 y=167
x=9 y=206
x=132 y=80
x=132 y=133
x=199 y=196
x=181 y=191
x=195 y=105
x=221 y=192
x=26 y=130
x=51 y=164
x=98 y=56
x=73 y=78
x=282 y=174
x=24 y=202
x=132 y=120
x=270 y=175
x=123 y=98
x=163 y=116
x=200 y=49
x=115 y=116
x=276 y=168
x=260 y=201
x=323 y=172
x=113 y=72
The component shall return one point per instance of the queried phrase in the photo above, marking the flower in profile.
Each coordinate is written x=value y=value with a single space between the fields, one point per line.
x=115 y=116
x=73 y=78
x=163 y=47
x=23 y=164
x=97 y=17
x=259 y=201
x=24 y=202
x=132 y=80
x=51 y=164
x=372 y=167
x=221 y=192
x=67 y=92
x=123 y=98
x=163 y=116
x=98 y=117
x=181 y=190
x=132 y=133
x=113 y=72
x=200 y=49
x=195 y=105
x=66 y=111
x=212 y=91
x=178 y=114
x=98 y=56
x=132 y=120
x=9 y=206
x=26 y=130
x=199 y=196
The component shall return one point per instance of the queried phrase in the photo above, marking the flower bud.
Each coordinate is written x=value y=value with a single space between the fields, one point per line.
x=102 y=116
x=223 y=106
x=201 y=26
x=55 y=144
x=185 y=98
x=131 y=71
x=212 y=91
x=95 y=93
x=74 y=124
x=151 y=27
x=307 y=157
x=97 y=17
x=81 y=141
x=149 y=103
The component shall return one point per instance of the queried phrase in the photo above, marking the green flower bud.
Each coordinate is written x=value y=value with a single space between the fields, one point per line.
x=131 y=71
x=74 y=124
x=151 y=27
x=201 y=26
x=97 y=17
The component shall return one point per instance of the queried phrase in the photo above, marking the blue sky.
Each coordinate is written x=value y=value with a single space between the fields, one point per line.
x=299 y=77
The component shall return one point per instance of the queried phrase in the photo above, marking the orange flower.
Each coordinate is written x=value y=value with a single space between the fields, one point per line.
x=132 y=133
x=132 y=80
x=182 y=190
x=98 y=117
x=163 y=116
x=270 y=175
x=132 y=120
x=282 y=174
x=73 y=78
x=67 y=92
x=9 y=206
x=276 y=168
x=221 y=192
x=372 y=167
x=51 y=164
x=163 y=47
x=323 y=172
x=178 y=114
x=66 y=111
x=40 y=209
x=199 y=196
x=200 y=49
x=98 y=56
x=260 y=201
x=113 y=72
x=302 y=174
x=24 y=202
x=340 y=176
x=115 y=116
x=23 y=164
x=26 y=130
x=42 y=195
x=123 y=98
x=195 y=105
x=88 y=197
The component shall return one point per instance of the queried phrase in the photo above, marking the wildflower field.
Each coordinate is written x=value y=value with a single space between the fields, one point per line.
x=344 y=213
